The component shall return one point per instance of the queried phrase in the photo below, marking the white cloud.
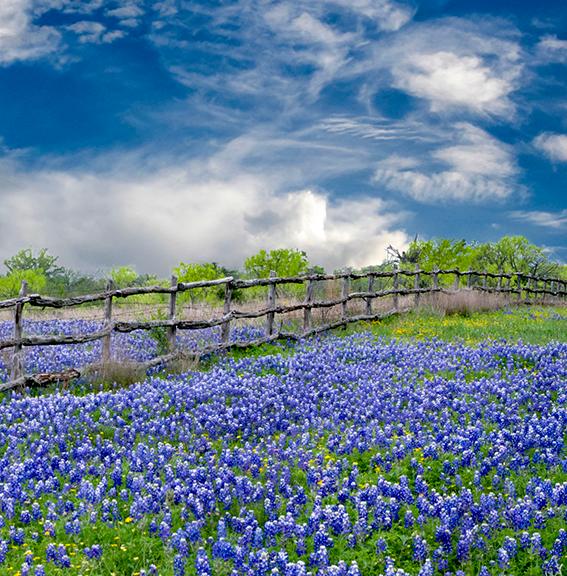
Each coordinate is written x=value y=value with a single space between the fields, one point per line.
x=556 y=220
x=20 y=38
x=478 y=168
x=389 y=16
x=552 y=49
x=554 y=146
x=370 y=128
x=126 y=11
x=202 y=210
x=89 y=32
x=447 y=79
x=453 y=64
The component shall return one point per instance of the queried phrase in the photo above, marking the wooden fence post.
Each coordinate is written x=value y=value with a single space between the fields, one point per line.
x=457 y=281
x=435 y=279
x=499 y=284
x=172 y=330
x=106 y=352
x=416 y=283
x=307 y=311
x=271 y=303
x=17 y=355
x=344 y=305
x=371 y=279
x=225 y=330
x=396 y=285
x=485 y=280
x=519 y=285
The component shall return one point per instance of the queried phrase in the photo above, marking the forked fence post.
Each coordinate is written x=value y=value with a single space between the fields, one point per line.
x=435 y=279
x=499 y=285
x=17 y=355
x=371 y=279
x=344 y=304
x=485 y=280
x=469 y=279
x=271 y=303
x=106 y=342
x=416 y=283
x=172 y=330
x=519 y=286
x=307 y=311
x=225 y=329
x=396 y=286
x=457 y=281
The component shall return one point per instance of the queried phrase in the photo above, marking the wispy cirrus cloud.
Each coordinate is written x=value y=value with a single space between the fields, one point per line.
x=550 y=49
x=476 y=168
x=554 y=146
x=554 y=220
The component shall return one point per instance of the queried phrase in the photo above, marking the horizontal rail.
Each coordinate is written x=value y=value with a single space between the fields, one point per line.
x=524 y=284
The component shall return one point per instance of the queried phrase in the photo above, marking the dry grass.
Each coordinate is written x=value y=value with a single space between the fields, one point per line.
x=465 y=302
x=115 y=374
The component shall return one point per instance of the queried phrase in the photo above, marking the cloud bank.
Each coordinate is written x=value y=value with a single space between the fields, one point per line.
x=196 y=212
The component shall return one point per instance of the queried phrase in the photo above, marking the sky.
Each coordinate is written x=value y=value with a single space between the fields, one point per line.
x=145 y=133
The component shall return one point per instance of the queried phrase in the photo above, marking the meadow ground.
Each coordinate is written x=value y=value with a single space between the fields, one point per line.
x=423 y=444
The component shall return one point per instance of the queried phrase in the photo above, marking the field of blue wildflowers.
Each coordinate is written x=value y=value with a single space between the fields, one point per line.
x=344 y=456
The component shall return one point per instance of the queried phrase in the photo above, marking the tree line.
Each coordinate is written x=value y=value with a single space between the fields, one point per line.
x=45 y=275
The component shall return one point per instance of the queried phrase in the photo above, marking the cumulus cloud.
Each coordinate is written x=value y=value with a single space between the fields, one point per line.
x=554 y=220
x=447 y=79
x=453 y=64
x=478 y=168
x=20 y=38
x=200 y=211
x=554 y=146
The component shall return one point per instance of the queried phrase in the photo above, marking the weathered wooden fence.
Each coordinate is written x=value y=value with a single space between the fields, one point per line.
x=524 y=288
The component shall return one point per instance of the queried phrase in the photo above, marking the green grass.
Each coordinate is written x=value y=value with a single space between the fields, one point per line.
x=533 y=324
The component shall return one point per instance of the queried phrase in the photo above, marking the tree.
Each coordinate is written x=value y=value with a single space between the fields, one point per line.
x=43 y=262
x=11 y=283
x=124 y=276
x=514 y=254
x=194 y=273
x=283 y=261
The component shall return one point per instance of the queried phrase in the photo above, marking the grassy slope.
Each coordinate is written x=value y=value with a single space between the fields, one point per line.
x=534 y=324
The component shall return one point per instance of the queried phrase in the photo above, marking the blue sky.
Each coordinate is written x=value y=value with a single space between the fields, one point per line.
x=148 y=132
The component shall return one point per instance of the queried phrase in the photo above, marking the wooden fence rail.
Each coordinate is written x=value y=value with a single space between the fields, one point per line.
x=523 y=286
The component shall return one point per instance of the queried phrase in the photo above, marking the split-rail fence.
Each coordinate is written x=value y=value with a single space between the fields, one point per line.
x=521 y=287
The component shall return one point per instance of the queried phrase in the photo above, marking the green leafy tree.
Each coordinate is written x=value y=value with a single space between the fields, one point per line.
x=283 y=261
x=194 y=273
x=11 y=283
x=124 y=276
x=42 y=262
x=514 y=254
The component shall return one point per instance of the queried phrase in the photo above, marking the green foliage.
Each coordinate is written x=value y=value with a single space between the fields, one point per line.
x=159 y=333
x=44 y=263
x=509 y=254
x=194 y=273
x=514 y=254
x=11 y=283
x=283 y=261
x=124 y=276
